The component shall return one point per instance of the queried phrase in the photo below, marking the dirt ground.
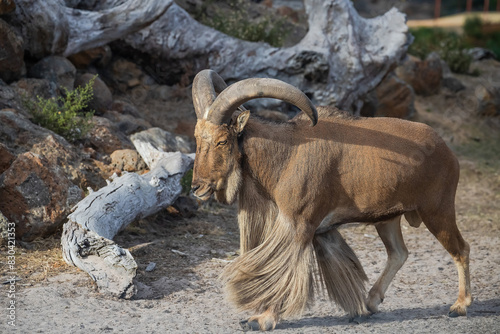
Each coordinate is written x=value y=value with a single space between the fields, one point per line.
x=184 y=295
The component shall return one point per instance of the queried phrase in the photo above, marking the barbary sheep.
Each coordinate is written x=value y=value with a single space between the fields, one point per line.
x=296 y=184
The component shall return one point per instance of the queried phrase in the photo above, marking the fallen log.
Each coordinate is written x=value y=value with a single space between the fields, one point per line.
x=48 y=27
x=87 y=236
x=341 y=58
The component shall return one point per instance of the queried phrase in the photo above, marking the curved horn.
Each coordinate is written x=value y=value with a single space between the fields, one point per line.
x=206 y=85
x=232 y=97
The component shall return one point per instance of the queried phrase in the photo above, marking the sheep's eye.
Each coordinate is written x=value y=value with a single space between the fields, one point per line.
x=222 y=143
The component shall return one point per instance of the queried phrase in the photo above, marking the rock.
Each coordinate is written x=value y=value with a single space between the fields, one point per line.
x=106 y=137
x=37 y=196
x=44 y=26
x=480 y=54
x=489 y=100
x=11 y=52
x=102 y=99
x=453 y=84
x=185 y=206
x=19 y=135
x=392 y=98
x=6 y=158
x=127 y=124
x=9 y=98
x=127 y=160
x=7 y=6
x=99 y=57
x=125 y=108
x=288 y=12
x=126 y=74
x=56 y=69
x=164 y=141
x=424 y=76
x=186 y=127
x=31 y=87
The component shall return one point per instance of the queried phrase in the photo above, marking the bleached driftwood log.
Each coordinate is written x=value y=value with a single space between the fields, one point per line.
x=49 y=27
x=342 y=57
x=87 y=236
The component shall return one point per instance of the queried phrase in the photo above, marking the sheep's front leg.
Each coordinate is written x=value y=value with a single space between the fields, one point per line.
x=390 y=233
x=275 y=277
x=263 y=322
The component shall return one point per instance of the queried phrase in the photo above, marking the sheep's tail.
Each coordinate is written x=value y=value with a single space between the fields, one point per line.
x=340 y=272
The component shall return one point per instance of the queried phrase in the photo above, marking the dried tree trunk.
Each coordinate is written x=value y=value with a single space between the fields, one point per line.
x=48 y=27
x=342 y=57
x=86 y=239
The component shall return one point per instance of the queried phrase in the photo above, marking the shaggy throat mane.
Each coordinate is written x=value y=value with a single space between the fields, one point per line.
x=229 y=192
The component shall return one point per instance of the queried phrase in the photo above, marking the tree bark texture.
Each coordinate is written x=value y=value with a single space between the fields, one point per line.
x=342 y=57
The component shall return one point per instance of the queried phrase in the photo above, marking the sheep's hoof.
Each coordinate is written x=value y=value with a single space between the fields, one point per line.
x=359 y=319
x=455 y=314
x=249 y=326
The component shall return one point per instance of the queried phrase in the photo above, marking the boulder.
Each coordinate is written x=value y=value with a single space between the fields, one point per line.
x=127 y=160
x=56 y=69
x=19 y=135
x=105 y=137
x=126 y=74
x=9 y=98
x=489 y=100
x=392 y=98
x=6 y=158
x=164 y=141
x=31 y=88
x=102 y=99
x=424 y=76
x=453 y=84
x=11 y=53
x=125 y=108
x=37 y=196
x=7 y=6
x=127 y=124
x=100 y=56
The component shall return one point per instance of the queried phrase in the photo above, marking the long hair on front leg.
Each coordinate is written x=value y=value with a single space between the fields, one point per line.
x=277 y=274
x=341 y=272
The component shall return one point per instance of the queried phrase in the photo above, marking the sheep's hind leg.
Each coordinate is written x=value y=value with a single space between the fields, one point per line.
x=443 y=226
x=390 y=233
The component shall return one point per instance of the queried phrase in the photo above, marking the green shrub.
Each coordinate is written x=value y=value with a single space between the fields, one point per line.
x=65 y=115
x=473 y=30
x=237 y=23
x=450 y=46
x=473 y=27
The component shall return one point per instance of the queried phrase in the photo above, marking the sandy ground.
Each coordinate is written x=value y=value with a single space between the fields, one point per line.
x=188 y=298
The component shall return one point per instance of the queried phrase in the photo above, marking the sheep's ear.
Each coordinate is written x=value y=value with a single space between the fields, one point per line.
x=241 y=121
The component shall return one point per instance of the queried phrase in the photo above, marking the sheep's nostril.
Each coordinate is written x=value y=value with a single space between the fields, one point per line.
x=194 y=188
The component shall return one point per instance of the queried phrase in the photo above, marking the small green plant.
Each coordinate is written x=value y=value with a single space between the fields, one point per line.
x=66 y=115
x=450 y=46
x=473 y=27
x=474 y=30
x=237 y=23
